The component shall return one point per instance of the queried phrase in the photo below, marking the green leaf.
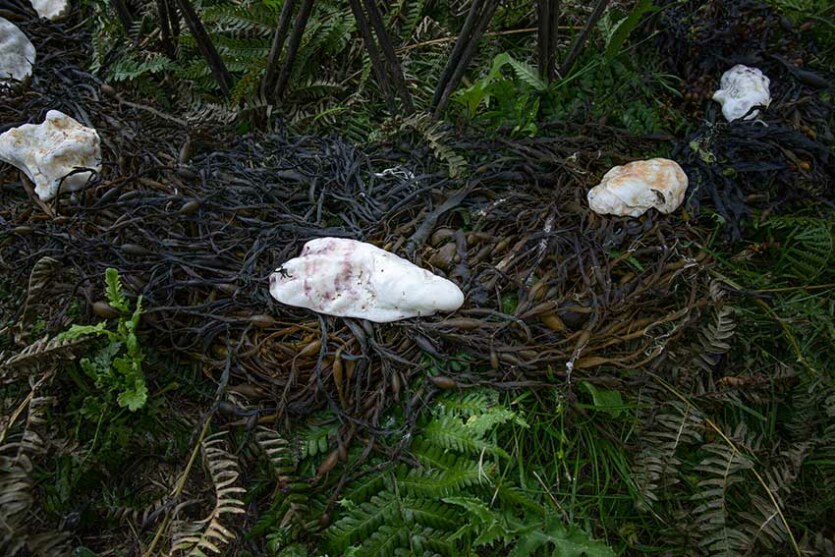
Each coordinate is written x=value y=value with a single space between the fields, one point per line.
x=565 y=541
x=114 y=290
x=78 y=331
x=134 y=398
x=528 y=74
x=524 y=71
x=623 y=28
x=605 y=400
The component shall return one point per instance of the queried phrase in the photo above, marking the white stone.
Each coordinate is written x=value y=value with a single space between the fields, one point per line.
x=347 y=278
x=740 y=89
x=17 y=53
x=632 y=189
x=49 y=151
x=51 y=9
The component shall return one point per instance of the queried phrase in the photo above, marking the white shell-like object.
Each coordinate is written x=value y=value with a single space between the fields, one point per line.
x=632 y=189
x=49 y=151
x=51 y=9
x=740 y=89
x=17 y=53
x=347 y=278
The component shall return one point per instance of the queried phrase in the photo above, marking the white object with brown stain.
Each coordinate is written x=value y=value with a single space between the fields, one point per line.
x=51 y=9
x=48 y=152
x=17 y=53
x=347 y=278
x=741 y=89
x=632 y=189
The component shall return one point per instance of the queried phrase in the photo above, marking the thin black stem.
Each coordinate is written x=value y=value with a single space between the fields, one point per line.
x=174 y=21
x=165 y=29
x=395 y=71
x=580 y=41
x=123 y=14
x=204 y=44
x=279 y=38
x=552 y=40
x=467 y=55
x=457 y=50
x=293 y=47
x=373 y=54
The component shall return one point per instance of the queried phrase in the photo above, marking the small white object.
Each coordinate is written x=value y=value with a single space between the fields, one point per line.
x=51 y=9
x=347 y=278
x=49 y=151
x=632 y=189
x=740 y=89
x=17 y=53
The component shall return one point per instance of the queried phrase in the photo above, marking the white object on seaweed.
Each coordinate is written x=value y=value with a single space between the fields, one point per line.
x=740 y=89
x=48 y=152
x=347 y=278
x=17 y=53
x=632 y=189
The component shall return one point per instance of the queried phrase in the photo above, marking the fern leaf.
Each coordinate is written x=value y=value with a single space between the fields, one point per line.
x=39 y=356
x=39 y=279
x=210 y=534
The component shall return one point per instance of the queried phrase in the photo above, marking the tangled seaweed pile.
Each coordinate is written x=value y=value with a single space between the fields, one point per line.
x=196 y=218
x=550 y=287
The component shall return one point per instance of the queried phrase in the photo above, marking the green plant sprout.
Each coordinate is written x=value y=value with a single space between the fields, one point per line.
x=116 y=368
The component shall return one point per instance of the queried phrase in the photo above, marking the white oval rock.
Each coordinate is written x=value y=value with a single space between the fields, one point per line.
x=632 y=189
x=347 y=278
x=51 y=9
x=17 y=53
x=740 y=89
x=47 y=152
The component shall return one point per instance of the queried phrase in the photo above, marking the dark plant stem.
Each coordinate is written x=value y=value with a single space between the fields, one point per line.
x=548 y=13
x=395 y=71
x=457 y=49
x=580 y=41
x=207 y=49
x=123 y=14
x=293 y=47
x=467 y=55
x=174 y=22
x=373 y=54
x=279 y=39
x=165 y=29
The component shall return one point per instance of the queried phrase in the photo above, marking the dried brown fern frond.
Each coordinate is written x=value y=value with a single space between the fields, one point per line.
x=17 y=489
x=41 y=355
x=764 y=523
x=39 y=279
x=209 y=535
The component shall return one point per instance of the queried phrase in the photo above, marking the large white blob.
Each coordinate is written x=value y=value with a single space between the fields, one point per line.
x=51 y=9
x=17 y=53
x=347 y=278
x=632 y=189
x=47 y=152
x=740 y=89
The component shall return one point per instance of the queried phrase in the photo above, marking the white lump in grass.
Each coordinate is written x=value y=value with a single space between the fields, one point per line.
x=634 y=188
x=741 y=89
x=51 y=9
x=347 y=278
x=47 y=153
x=17 y=53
